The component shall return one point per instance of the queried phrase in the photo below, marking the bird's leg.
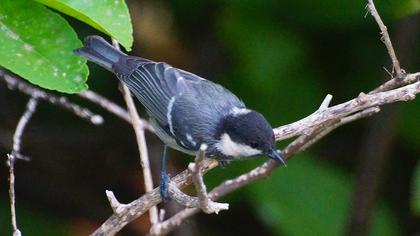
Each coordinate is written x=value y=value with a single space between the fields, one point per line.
x=164 y=177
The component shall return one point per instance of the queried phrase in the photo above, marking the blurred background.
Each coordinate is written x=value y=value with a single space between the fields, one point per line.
x=281 y=58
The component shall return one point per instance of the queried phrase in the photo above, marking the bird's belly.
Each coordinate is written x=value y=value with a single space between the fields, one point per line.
x=168 y=140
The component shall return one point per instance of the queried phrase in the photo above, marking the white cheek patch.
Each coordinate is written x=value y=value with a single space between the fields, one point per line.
x=228 y=147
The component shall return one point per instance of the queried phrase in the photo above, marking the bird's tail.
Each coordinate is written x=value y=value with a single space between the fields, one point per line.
x=99 y=51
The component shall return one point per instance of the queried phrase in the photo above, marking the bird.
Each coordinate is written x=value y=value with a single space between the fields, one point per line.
x=187 y=111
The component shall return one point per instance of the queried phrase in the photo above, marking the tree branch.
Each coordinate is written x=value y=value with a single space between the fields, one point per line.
x=206 y=204
x=106 y=104
x=112 y=107
x=15 y=83
x=363 y=101
x=387 y=41
x=16 y=154
x=307 y=128
x=138 y=207
x=139 y=126
x=378 y=142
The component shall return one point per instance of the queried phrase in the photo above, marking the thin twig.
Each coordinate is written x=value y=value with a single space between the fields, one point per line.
x=11 y=164
x=325 y=103
x=106 y=104
x=138 y=207
x=139 y=127
x=15 y=83
x=17 y=141
x=391 y=84
x=342 y=110
x=111 y=107
x=206 y=204
x=114 y=203
x=387 y=41
x=328 y=128
x=180 y=197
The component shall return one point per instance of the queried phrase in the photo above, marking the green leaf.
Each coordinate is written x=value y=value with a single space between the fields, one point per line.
x=38 y=44
x=109 y=16
x=416 y=190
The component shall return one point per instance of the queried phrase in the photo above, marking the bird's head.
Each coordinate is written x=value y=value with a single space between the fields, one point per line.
x=246 y=133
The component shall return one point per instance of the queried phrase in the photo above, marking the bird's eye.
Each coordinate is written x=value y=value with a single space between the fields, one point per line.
x=254 y=144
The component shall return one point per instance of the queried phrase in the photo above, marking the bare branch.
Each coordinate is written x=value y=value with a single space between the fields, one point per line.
x=111 y=107
x=106 y=104
x=182 y=198
x=206 y=204
x=202 y=201
x=231 y=185
x=387 y=40
x=17 y=140
x=260 y=172
x=15 y=83
x=116 y=206
x=328 y=128
x=326 y=103
x=392 y=84
x=138 y=207
x=176 y=220
x=342 y=110
x=139 y=127
x=307 y=128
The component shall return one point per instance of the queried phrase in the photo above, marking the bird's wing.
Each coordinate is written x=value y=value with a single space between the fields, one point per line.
x=186 y=106
x=155 y=84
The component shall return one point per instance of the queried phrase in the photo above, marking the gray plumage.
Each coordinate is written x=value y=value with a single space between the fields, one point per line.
x=169 y=95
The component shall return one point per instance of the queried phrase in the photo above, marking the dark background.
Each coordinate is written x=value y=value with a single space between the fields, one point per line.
x=281 y=58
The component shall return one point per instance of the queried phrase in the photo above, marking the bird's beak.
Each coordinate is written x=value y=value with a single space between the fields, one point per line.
x=275 y=155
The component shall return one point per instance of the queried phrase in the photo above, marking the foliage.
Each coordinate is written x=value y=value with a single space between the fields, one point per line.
x=38 y=44
x=41 y=54
x=109 y=16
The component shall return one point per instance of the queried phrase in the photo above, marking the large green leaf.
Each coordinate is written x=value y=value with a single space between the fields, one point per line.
x=109 y=16
x=38 y=44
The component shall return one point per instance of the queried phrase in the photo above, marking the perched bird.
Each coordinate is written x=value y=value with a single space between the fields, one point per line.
x=186 y=110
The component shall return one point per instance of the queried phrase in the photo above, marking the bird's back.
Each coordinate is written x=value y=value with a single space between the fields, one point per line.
x=184 y=105
x=184 y=108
